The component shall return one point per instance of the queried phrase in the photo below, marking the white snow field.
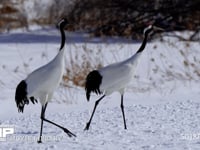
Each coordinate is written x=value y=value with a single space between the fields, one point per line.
x=162 y=103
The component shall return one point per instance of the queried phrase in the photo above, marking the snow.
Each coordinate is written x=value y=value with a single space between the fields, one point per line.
x=161 y=104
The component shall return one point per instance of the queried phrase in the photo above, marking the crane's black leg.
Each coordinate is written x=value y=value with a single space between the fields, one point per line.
x=122 y=107
x=96 y=103
x=42 y=116
x=70 y=134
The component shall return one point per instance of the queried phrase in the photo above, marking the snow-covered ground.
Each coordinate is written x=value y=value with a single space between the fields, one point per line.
x=162 y=104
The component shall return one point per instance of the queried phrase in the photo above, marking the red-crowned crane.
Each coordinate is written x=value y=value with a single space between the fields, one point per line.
x=42 y=82
x=115 y=77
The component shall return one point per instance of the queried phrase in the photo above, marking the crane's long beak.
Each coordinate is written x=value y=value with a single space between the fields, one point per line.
x=158 y=28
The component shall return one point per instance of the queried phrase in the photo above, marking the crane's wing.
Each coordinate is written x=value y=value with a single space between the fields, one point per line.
x=21 y=96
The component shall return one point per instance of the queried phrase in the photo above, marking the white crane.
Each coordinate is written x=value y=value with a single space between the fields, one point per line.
x=115 y=77
x=42 y=82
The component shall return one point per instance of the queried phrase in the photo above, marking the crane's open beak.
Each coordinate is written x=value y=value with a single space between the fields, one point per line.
x=158 y=28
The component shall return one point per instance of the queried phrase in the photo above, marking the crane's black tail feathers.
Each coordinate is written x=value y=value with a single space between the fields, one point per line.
x=21 y=96
x=93 y=82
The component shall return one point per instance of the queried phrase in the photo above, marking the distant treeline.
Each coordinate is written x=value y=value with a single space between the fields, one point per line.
x=123 y=18
x=106 y=18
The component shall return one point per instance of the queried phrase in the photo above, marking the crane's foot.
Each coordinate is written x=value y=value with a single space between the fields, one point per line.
x=125 y=128
x=87 y=126
x=39 y=141
x=70 y=134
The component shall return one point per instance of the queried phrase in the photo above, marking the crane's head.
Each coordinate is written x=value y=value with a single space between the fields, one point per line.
x=62 y=23
x=151 y=29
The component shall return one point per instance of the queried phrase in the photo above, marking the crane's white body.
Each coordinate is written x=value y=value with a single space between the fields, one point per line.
x=114 y=77
x=42 y=82
x=117 y=76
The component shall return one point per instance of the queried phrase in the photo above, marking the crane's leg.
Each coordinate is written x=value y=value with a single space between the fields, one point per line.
x=70 y=134
x=122 y=107
x=42 y=114
x=96 y=103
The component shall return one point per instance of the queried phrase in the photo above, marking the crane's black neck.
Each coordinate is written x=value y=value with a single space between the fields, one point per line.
x=62 y=44
x=143 y=43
